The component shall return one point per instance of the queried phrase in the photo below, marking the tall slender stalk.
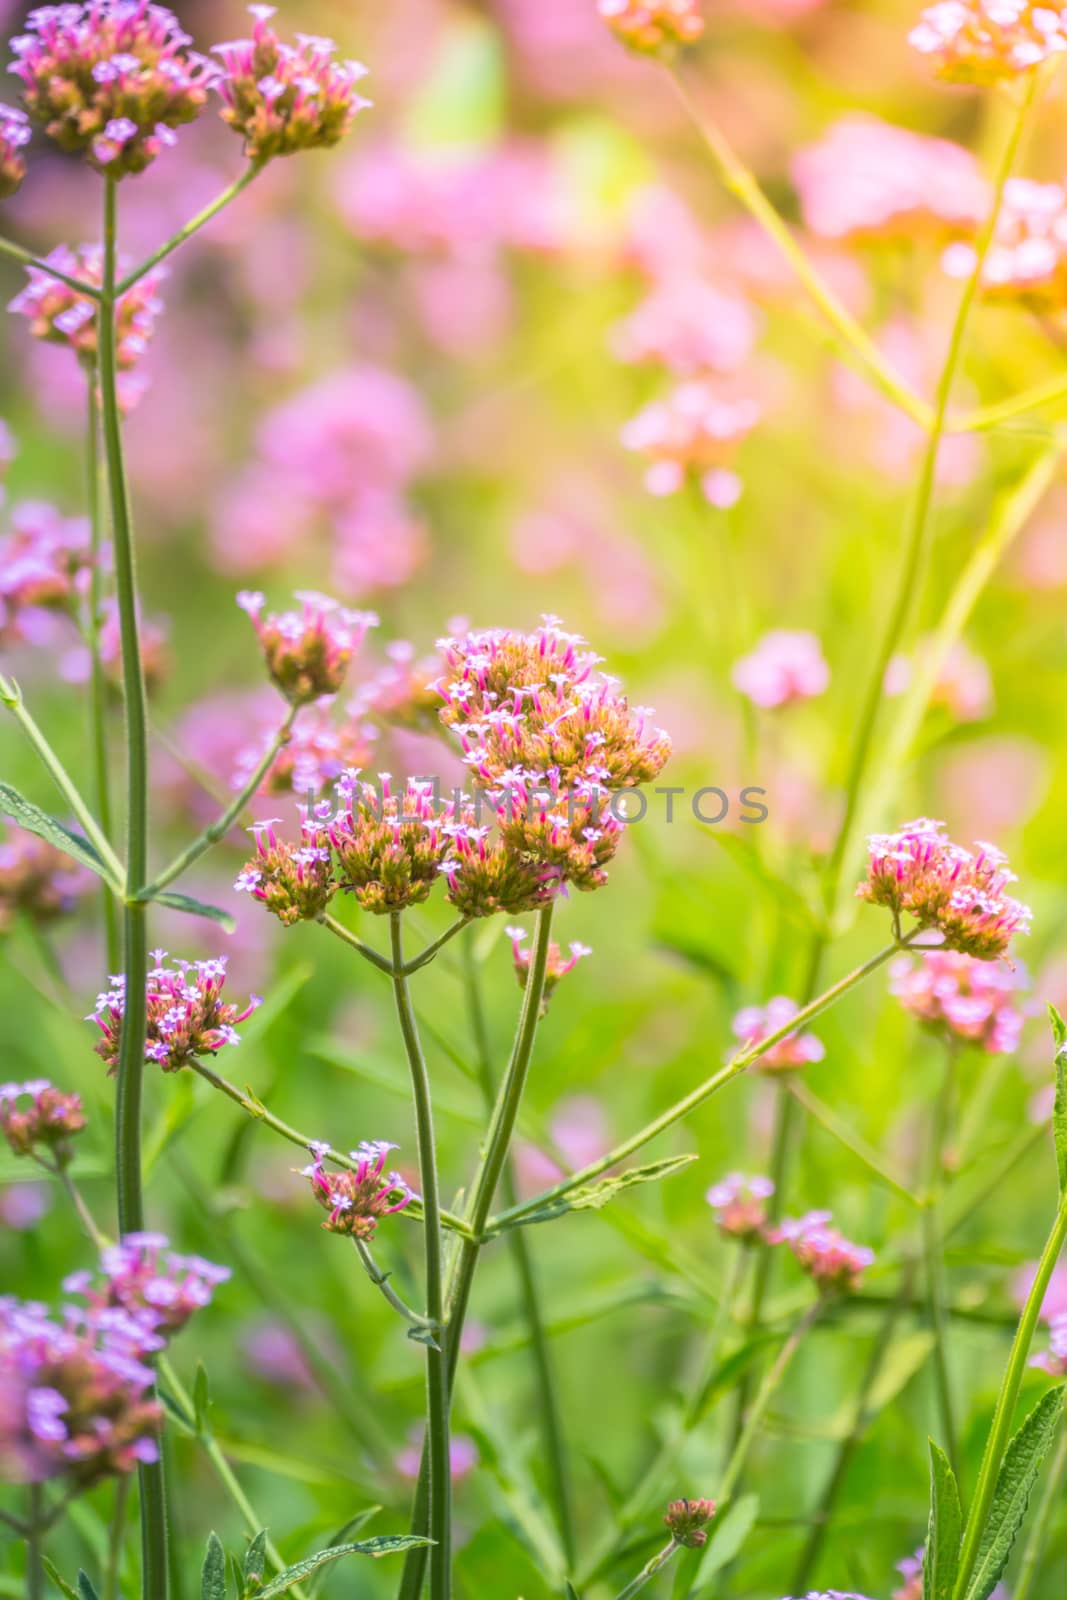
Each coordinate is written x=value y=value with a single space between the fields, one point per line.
x=933 y=1254
x=155 y=1569
x=648 y=1572
x=437 y=1376
x=101 y=785
x=34 y=1525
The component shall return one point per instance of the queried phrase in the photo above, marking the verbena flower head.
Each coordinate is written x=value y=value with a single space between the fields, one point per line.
x=754 y=1023
x=294 y=882
x=282 y=98
x=319 y=749
x=1027 y=261
x=787 y=665
x=692 y=433
x=484 y=875
x=833 y=1262
x=308 y=652
x=143 y=1277
x=44 y=1125
x=46 y=558
x=75 y=1395
x=911 y=1570
x=37 y=880
x=389 y=847
x=556 y=967
x=60 y=315
x=14 y=137
x=866 y=179
x=110 y=79
x=957 y=892
x=569 y=832
x=984 y=41
x=688 y=1521
x=356 y=1201
x=739 y=1205
x=960 y=997
x=538 y=703
x=187 y=1016
x=650 y=26
x=400 y=692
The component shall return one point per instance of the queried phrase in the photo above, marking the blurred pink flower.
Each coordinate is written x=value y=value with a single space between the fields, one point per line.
x=754 y=1023
x=982 y=41
x=694 y=431
x=961 y=998
x=689 y=326
x=787 y=665
x=1054 y=1305
x=579 y=1131
x=22 y=1205
x=463 y=1455
x=964 y=686
x=1027 y=260
x=991 y=786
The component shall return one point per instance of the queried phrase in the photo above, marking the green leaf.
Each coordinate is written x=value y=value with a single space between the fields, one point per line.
x=591 y=1196
x=213 y=1572
x=570 y=1591
x=386 y=1545
x=255 y=1560
x=1059 y=1113
x=201 y=1397
x=34 y=820
x=196 y=908
x=61 y=1583
x=1018 y=1474
x=353 y=1525
x=728 y=1534
x=86 y=1591
x=941 y=1557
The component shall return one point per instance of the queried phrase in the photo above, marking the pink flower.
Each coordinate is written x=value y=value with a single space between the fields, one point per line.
x=831 y=1260
x=688 y=1520
x=794 y=1050
x=911 y=1570
x=463 y=1456
x=1054 y=1305
x=961 y=998
x=693 y=432
x=1027 y=260
x=960 y=894
x=45 y=560
x=110 y=79
x=389 y=847
x=295 y=883
x=147 y=1280
x=557 y=967
x=282 y=98
x=579 y=1132
x=964 y=685
x=308 y=652
x=356 y=1200
x=866 y=178
x=187 y=1016
x=982 y=41
x=14 y=137
x=738 y=1204
x=1054 y=1359
x=787 y=665
x=690 y=327
x=648 y=26
x=48 y=1123
x=37 y=880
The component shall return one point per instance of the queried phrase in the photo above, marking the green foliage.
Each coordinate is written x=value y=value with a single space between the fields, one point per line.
x=590 y=1197
x=196 y=908
x=1015 y=1483
x=385 y=1545
x=213 y=1572
x=34 y=820
x=942 y=1553
x=1059 y=1115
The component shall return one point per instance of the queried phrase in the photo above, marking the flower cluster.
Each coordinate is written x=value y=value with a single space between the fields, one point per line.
x=357 y=1199
x=786 y=665
x=557 y=965
x=47 y=1124
x=75 y=1396
x=60 y=315
x=37 y=880
x=484 y=874
x=964 y=686
x=739 y=1205
x=867 y=179
x=957 y=892
x=648 y=26
x=14 y=137
x=186 y=1014
x=282 y=98
x=692 y=433
x=401 y=692
x=833 y=1262
x=110 y=79
x=1054 y=1359
x=316 y=753
x=144 y=1278
x=294 y=882
x=911 y=1570
x=983 y=41
x=689 y=326
x=687 y=1521
x=1027 y=260
x=755 y=1023
x=389 y=847
x=308 y=652
x=44 y=561
x=960 y=997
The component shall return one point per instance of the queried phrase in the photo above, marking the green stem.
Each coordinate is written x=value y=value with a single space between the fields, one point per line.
x=97 y=679
x=1000 y=1431
x=116 y=1538
x=1051 y=1499
x=193 y=226
x=758 y=1410
x=933 y=1258
x=34 y=1525
x=425 y=956
x=681 y=1108
x=339 y=931
x=918 y=527
x=648 y=1572
x=487 y=1179
x=1042 y=394
x=155 y=1568
x=381 y=1282
x=27 y=258
x=437 y=1376
x=548 y=1407
x=222 y=825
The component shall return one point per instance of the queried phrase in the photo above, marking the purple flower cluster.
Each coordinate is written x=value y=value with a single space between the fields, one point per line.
x=144 y=1278
x=47 y=1124
x=187 y=1016
x=14 y=137
x=833 y=1262
x=308 y=652
x=294 y=883
x=37 y=880
x=356 y=1200
x=557 y=965
x=961 y=998
x=755 y=1023
x=739 y=1205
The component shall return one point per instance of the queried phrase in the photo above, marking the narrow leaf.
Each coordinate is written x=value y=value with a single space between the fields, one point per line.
x=353 y=1525
x=1018 y=1475
x=571 y=1592
x=197 y=908
x=201 y=1397
x=386 y=1545
x=1059 y=1113
x=941 y=1557
x=61 y=1583
x=213 y=1573
x=255 y=1559
x=86 y=1591
x=34 y=820
x=594 y=1195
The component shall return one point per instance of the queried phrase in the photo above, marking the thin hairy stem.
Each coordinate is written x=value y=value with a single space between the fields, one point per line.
x=381 y=1282
x=649 y=1571
x=772 y=1382
x=26 y=258
x=437 y=1377
x=98 y=689
x=220 y=202
x=115 y=1539
x=933 y=1256
x=339 y=931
